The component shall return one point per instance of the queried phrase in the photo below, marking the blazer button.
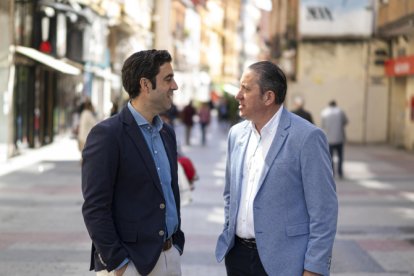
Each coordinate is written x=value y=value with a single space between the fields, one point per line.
x=162 y=206
x=161 y=233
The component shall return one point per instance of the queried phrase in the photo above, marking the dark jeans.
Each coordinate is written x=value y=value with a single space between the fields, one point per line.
x=203 y=133
x=339 y=149
x=244 y=261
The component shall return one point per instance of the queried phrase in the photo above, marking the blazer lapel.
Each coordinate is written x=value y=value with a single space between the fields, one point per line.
x=277 y=143
x=240 y=153
x=172 y=156
x=134 y=132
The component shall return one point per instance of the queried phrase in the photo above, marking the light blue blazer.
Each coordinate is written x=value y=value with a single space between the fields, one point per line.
x=296 y=208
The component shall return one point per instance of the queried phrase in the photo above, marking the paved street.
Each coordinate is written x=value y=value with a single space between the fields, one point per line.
x=42 y=230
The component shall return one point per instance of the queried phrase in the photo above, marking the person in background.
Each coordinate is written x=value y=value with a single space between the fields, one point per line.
x=281 y=207
x=299 y=109
x=114 y=109
x=333 y=122
x=87 y=120
x=172 y=114
x=131 y=203
x=185 y=168
x=223 y=114
x=187 y=117
x=205 y=117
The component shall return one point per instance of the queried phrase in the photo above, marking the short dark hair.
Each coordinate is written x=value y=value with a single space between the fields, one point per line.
x=143 y=64
x=272 y=78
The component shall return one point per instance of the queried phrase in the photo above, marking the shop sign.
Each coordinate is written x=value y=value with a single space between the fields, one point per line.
x=334 y=18
x=401 y=66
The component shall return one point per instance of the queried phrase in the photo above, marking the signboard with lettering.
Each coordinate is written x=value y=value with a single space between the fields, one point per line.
x=336 y=18
x=401 y=66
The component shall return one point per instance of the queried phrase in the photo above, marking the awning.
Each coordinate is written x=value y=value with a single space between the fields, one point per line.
x=401 y=26
x=231 y=89
x=47 y=60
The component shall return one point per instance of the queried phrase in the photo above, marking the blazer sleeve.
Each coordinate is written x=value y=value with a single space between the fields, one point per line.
x=227 y=186
x=99 y=168
x=321 y=201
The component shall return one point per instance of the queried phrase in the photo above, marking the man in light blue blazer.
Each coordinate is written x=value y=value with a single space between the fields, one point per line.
x=281 y=207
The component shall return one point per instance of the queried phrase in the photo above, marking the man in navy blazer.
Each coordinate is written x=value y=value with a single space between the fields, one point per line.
x=129 y=177
x=280 y=200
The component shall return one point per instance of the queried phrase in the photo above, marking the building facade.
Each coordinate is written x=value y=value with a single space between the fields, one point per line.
x=394 y=25
x=58 y=53
x=333 y=58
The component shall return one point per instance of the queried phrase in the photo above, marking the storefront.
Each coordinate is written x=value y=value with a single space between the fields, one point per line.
x=44 y=80
x=401 y=73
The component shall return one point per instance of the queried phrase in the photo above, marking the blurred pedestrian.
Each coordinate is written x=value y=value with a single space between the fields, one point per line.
x=129 y=177
x=223 y=114
x=333 y=121
x=172 y=114
x=280 y=200
x=87 y=120
x=299 y=109
x=223 y=109
x=204 y=120
x=185 y=182
x=187 y=117
x=114 y=109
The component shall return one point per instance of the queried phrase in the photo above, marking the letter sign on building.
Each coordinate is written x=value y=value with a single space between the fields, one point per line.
x=401 y=66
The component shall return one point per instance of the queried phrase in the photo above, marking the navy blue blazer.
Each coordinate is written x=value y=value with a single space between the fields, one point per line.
x=124 y=208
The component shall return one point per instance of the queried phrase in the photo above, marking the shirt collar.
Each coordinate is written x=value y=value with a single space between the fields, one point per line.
x=141 y=121
x=271 y=126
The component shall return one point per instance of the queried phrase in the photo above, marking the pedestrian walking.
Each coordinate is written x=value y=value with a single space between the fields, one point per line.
x=114 y=109
x=87 y=120
x=172 y=114
x=299 y=109
x=187 y=116
x=280 y=200
x=204 y=120
x=334 y=121
x=129 y=177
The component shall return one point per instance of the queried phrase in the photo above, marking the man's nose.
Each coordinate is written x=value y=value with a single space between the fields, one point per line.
x=238 y=95
x=174 y=85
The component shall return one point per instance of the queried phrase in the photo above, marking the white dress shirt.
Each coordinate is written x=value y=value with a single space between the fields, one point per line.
x=257 y=149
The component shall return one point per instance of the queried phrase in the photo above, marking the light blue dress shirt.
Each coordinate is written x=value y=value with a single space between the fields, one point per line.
x=155 y=144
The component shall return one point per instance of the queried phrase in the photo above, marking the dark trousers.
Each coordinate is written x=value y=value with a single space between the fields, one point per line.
x=243 y=261
x=339 y=149
x=203 y=133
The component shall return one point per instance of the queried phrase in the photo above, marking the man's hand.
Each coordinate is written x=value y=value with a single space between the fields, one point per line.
x=308 y=273
x=121 y=271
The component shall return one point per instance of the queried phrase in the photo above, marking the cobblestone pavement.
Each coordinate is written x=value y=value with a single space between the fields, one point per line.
x=42 y=230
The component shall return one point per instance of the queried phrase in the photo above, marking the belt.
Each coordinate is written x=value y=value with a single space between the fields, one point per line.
x=167 y=244
x=249 y=243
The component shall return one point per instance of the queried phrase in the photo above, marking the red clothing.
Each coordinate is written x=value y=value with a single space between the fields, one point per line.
x=188 y=167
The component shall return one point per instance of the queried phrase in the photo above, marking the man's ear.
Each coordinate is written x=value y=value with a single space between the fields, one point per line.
x=270 y=97
x=143 y=83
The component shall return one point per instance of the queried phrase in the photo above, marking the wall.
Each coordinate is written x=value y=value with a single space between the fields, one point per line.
x=6 y=90
x=409 y=114
x=338 y=70
x=394 y=10
x=409 y=121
